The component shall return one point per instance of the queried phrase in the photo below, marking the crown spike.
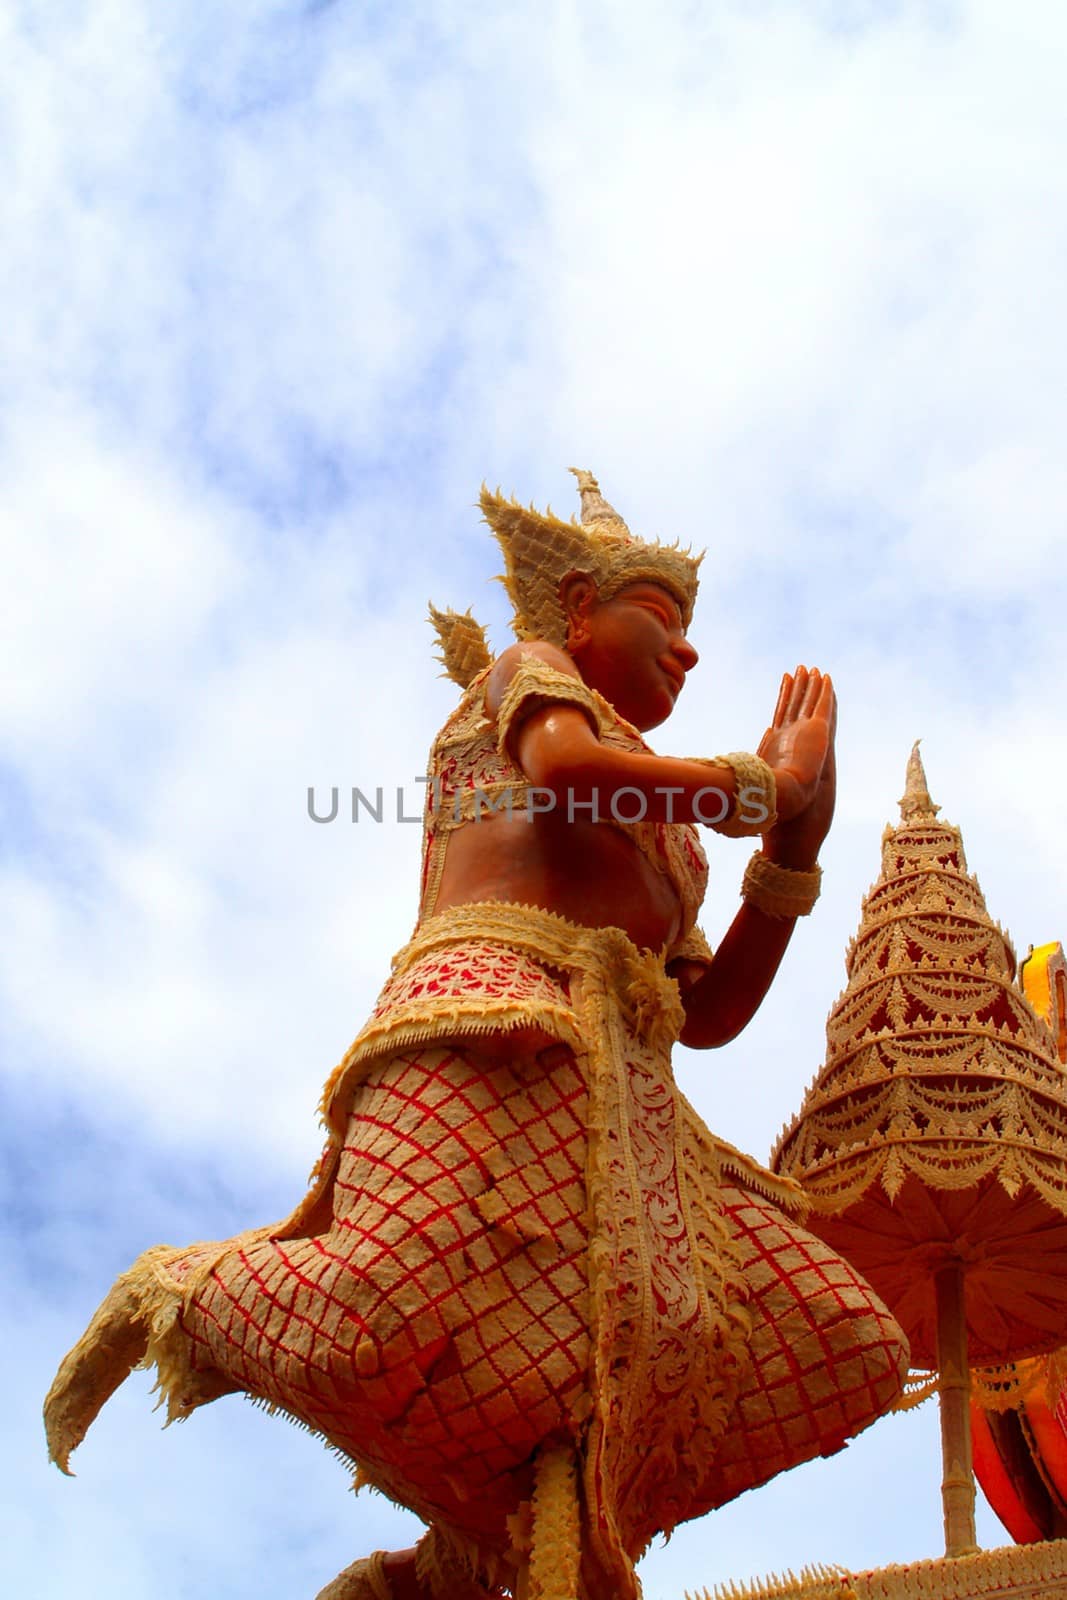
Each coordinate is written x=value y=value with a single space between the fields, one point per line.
x=915 y=801
x=596 y=512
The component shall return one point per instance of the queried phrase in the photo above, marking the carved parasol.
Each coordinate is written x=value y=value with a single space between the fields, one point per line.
x=933 y=1142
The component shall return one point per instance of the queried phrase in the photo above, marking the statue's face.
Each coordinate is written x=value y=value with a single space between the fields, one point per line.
x=633 y=649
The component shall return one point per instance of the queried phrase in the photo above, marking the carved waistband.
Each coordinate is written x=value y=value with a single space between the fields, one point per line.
x=494 y=967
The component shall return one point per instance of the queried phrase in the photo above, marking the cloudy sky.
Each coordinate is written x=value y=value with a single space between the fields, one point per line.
x=282 y=284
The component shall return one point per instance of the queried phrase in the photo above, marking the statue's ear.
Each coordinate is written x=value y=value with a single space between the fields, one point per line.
x=578 y=593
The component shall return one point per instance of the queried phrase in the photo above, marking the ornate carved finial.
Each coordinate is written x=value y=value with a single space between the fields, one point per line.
x=596 y=512
x=464 y=648
x=916 y=801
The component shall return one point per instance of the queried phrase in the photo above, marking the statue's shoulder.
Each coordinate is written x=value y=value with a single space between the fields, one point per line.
x=533 y=656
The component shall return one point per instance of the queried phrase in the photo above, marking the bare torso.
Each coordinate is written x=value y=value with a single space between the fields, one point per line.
x=588 y=872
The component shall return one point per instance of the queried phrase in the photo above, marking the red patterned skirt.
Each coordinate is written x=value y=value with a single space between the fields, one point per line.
x=522 y=1236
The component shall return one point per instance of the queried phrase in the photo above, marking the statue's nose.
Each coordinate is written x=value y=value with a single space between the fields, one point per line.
x=684 y=652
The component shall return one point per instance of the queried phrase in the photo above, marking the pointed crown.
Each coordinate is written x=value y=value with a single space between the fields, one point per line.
x=540 y=550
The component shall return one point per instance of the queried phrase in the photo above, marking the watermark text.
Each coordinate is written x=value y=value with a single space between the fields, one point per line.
x=626 y=804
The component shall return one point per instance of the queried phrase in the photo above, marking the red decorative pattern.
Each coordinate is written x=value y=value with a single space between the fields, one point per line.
x=470 y=974
x=438 y=1330
x=827 y=1358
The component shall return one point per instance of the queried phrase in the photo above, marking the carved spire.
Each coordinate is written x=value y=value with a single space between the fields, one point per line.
x=916 y=801
x=596 y=512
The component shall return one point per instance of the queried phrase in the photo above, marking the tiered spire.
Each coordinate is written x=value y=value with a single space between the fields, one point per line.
x=934 y=1140
x=937 y=1067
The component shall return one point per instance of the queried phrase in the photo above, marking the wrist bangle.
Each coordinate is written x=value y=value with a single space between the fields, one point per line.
x=779 y=891
x=753 y=810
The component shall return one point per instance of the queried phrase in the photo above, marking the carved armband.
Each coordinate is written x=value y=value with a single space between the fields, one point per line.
x=780 y=891
x=537 y=684
x=755 y=792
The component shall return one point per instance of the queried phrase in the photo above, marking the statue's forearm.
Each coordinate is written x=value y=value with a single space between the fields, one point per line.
x=721 y=1002
x=557 y=751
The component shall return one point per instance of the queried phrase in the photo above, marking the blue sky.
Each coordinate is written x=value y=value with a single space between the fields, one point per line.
x=282 y=285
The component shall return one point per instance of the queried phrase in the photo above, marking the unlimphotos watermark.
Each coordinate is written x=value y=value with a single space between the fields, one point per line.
x=624 y=804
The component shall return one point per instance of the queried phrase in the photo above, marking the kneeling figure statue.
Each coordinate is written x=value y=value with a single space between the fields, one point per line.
x=529 y=1294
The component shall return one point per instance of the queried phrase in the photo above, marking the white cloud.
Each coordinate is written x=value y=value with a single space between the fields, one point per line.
x=113 y=571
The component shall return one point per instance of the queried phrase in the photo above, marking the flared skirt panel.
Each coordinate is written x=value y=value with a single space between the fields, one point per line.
x=438 y=1331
